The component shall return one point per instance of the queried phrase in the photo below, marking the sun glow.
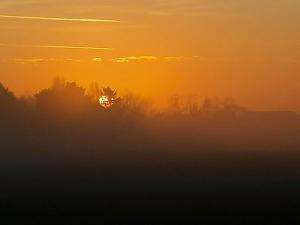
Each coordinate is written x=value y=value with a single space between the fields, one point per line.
x=108 y=97
x=106 y=102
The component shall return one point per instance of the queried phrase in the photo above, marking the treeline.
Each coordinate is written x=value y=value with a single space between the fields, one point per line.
x=62 y=153
x=67 y=99
x=68 y=116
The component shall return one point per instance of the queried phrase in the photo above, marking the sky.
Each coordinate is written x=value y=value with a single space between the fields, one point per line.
x=242 y=49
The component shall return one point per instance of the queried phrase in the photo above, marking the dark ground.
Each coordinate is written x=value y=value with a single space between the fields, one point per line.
x=58 y=165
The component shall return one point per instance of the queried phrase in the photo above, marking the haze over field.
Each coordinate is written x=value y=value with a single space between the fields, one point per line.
x=150 y=111
x=244 y=50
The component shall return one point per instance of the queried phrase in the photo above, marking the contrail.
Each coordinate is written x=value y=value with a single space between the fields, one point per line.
x=71 y=47
x=60 y=19
x=57 y=46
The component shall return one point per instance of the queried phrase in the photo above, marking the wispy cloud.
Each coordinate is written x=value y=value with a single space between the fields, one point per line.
x=157 y=59
x=98 y=60
x=71 y=47
x=58 y=47
x=135 y=58
x=25 y=61
x=59 y=19
x=141 y=59
x=121 y=60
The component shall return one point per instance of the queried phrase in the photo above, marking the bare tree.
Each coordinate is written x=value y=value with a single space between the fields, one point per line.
x=94 y=91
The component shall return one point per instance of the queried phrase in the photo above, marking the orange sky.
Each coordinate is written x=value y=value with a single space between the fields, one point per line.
x=247 y=50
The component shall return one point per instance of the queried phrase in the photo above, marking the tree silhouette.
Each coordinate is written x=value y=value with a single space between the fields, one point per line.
x=94 y=92
x=221 y=107
x=187 y=104
x=8 y=101
x=133 y=104
x=67 y=99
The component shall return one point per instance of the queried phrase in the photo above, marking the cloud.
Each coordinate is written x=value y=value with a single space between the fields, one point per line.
x=99 y=60
x=135 y=59
x=129 y=59
x=157 y=59
x=71 y=47
x=59 y=19
x=58 y=47
x=173 y=58
x=120 y=60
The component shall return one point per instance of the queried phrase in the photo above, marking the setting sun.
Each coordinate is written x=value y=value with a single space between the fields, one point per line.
x=105 y=102
x=108 y=97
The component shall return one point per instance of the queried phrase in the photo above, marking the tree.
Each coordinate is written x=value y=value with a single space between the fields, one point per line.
x=94 y=92
x=58 y=83
x=187 y=104
x=8 y=101
x=221 y=107
x=65 y=99
x=135 y=105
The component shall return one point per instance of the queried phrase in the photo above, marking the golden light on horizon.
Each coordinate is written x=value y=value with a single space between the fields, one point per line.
x=156 y=48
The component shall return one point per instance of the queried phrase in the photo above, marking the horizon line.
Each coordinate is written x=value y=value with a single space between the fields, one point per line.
x=60 y=19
